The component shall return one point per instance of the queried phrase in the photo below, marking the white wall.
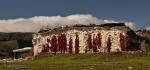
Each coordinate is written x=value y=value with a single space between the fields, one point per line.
x=83 y=36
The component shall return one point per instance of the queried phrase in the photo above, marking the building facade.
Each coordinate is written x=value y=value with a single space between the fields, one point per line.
x=113 y=37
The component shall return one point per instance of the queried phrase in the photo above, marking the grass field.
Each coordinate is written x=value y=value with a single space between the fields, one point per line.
x=107 y=61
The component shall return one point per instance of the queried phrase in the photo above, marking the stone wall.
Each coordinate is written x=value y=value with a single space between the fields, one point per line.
x=81 y=41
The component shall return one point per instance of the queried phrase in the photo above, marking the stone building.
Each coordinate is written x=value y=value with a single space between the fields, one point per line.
x=110 y=37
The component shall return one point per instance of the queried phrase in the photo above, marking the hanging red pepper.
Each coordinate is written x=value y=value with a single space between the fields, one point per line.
x=98 y=40
x=121 y=40
x=54 y=44
x=65 y=43
x=89 y=42
x=77 y=44
x=59 y=42
x=94 y=44
x=70 y=45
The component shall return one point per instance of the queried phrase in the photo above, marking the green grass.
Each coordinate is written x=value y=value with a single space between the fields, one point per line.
x=107 y=61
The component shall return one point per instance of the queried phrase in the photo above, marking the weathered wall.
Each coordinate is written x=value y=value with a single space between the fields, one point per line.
x=89 y=41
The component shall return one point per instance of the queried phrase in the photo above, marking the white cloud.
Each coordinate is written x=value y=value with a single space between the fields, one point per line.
x=110 y=21
x=148 y=28
x=34 y=24
x=131 y=25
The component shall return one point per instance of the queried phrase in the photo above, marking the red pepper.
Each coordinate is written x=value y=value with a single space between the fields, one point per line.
x=77 y=44
x=94 y=44
x=59 y=42
x=70 y=45
x=54 y=44
x=98 y=40
x=121 y=40
x=65 y=43
x=89 y=43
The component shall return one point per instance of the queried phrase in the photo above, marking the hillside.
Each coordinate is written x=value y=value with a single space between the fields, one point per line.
x=23 y=39
x=145 y=36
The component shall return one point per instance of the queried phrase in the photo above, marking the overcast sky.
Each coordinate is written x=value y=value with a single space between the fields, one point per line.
x=137 y=11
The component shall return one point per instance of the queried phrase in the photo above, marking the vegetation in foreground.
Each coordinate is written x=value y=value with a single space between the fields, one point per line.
x=107 y=61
